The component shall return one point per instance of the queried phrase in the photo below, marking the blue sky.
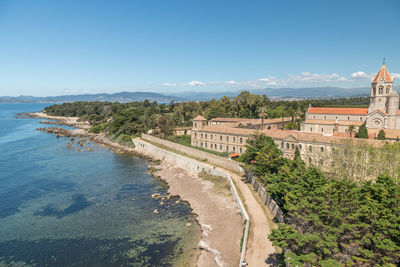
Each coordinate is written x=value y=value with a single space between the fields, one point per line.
x=69 y=47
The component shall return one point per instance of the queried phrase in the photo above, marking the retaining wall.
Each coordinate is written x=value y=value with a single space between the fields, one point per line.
x=265 y=197
x=189 y=164
x=214 y=159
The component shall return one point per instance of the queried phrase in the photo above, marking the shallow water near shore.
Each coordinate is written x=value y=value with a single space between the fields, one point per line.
x=63 y=207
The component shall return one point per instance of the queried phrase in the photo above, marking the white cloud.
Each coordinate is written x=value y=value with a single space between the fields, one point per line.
x=395 y=75
x=231 y=82
x=315 y=77
x=169 y=84
x=360 y=75
x=196 y=83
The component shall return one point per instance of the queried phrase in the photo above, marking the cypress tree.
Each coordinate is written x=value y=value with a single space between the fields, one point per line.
x=362 y=132
x=297 y=155
x=381 y=135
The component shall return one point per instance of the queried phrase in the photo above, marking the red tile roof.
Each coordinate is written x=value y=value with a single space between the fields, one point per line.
x=340 y=111
x=384 y=74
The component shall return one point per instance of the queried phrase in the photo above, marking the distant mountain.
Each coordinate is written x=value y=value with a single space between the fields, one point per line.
x=282 y=93
x=122 y=97
x=273 y=93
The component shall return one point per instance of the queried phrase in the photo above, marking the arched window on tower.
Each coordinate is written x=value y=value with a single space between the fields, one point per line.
x=380 y=90
x=387 y=89
x=374 y=90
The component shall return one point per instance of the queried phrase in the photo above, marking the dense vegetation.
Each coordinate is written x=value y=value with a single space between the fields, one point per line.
x=329 y=222
x=137 y=117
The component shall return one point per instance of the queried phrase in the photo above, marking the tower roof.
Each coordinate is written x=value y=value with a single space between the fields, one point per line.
x=384 y=74
x=199 y=118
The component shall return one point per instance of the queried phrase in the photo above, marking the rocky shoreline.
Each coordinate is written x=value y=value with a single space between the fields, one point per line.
x=212 y=249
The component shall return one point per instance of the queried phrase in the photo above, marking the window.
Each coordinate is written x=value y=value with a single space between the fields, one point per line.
x=360 y=118
x=314 y=116
x=309 y=160
x=220 y=147
x=292 y=146
x=300 y=146
x=322 y=149
x=240 y=149
x=321 y=162
x=201 y=144
x=205 y=145
x=387 y=90
x=310 y=148
x=287 y=145
x=348 y=118
x=241 y=140
x=206 y=136
x=201 y=136
x=380 y=90
x=234 y=139
x=227 y=148
x=220 y=138
x=195 y=135
x=211 y=137
x=227 y=139
x=269 y=127
x=324 y=117
x=322 y=130
x=233 y=149
x=374 y=90
x=310 y=129
x=282 y=145
x=195 y=125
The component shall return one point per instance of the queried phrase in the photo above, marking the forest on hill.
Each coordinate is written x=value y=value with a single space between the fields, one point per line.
x=329 y=221
x=136 y=117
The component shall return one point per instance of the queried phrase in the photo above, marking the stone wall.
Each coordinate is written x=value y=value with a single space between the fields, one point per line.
x=189 y=164
x=266 y=199
x=213 y=159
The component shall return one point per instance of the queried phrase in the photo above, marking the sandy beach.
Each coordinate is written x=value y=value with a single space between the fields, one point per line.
x=217 y=213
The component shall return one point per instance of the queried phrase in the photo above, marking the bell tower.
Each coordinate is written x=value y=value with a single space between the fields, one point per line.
x=381 y=87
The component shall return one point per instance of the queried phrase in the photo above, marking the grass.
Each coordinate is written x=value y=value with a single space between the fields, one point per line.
x=221 y=183
x=186 y=140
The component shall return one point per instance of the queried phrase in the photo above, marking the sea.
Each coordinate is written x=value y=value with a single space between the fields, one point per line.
x=76 y=207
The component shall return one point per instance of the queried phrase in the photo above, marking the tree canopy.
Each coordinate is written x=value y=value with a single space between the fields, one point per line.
x=330 y=222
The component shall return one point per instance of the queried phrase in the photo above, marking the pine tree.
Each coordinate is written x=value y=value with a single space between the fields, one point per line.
x=362 y=132
x=381 y=135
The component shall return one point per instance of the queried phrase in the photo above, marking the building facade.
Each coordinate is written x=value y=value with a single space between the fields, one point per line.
x=383 y=111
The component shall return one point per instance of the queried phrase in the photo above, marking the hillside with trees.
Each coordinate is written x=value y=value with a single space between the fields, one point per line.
x=329 y=221
x=136 y=117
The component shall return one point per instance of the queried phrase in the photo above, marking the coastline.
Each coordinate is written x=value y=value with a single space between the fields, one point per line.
x=221 y=225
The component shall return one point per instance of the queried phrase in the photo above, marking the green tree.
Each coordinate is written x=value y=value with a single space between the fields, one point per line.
x=166 y=125
x=362 y=132
x=351 y=129
x=381 y=135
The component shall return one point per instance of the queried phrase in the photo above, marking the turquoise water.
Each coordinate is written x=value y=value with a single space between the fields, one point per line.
x=62 y=207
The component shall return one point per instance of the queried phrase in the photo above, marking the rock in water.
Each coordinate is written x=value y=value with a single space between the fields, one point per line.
x=155 y=211
x=188 y=224
x=69 y=146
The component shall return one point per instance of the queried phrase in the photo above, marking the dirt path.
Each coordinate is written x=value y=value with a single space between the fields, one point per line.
x=260 y=251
